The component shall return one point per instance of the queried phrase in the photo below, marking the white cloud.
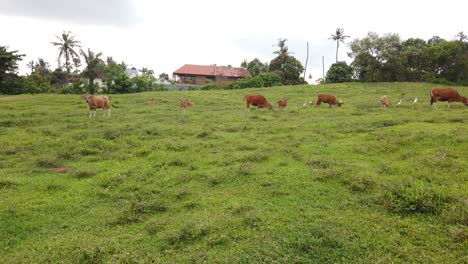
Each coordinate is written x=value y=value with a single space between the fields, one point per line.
x=112 y=12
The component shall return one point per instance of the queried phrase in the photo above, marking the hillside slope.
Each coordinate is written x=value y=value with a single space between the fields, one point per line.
x=353 y=184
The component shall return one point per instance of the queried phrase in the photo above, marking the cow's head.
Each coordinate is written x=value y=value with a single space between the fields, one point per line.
x=465 y=101
x=86 y=97
x=269 y=106
x=340 y=103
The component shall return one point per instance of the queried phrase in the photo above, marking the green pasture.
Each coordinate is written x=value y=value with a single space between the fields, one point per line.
x=357 y=184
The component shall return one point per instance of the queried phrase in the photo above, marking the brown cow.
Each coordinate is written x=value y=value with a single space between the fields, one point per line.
x=257 y=100
x=447 y=94
x=282 y=103
x=384 y=101
x=97 y=101
x=150 y=102
x=328 y=99
x=184 y=103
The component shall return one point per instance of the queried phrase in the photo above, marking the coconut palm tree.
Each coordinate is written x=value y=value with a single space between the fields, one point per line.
x=31 y=65
x=338 y=37
x=66 y=45
x=93 y=67
x=283 y=49
x=42 y=67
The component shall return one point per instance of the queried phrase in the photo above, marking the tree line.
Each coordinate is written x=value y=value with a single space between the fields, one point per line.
x=388 y=58
x=68 y=78
x=375 y=58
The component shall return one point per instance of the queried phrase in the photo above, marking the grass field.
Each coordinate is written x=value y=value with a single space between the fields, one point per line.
x=357 y=184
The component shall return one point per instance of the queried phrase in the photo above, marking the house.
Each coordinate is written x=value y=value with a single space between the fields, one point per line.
x=132 y=72
x=201 y=74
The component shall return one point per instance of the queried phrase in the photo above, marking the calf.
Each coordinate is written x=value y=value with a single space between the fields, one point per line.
x=447 y=94
x=328 y=99
x=184 y=103
x=97 y=101
x=282 y=103
x=384 y=101
x=257 y=100
x=150 y=102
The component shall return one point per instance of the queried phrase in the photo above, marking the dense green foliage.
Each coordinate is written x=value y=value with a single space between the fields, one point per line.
x=388 y=58
x=356 y=184
x=9 y=80
x=339 y=72
x=266 y=79
x=286 y=65
x=255 y=66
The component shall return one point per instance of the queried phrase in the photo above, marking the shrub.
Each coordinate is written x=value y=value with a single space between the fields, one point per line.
x=339 y=72
x=249 y=82
x=271 y=79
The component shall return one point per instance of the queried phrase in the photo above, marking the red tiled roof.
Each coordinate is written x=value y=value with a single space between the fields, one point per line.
x=212 y=70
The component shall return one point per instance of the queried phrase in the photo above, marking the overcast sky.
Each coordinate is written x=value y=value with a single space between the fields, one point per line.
x=164 y=35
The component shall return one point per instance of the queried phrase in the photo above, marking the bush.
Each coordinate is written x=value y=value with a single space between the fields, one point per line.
x=339 y=72
x=78 y=87
x=35 y=83
x=249 y=82
x=271 y=79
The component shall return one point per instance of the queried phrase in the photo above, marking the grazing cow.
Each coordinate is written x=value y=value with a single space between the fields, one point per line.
x=184 y=103
x=257 y=100
x=384 y=101
x=447 y=94
x=150 y=102
x=328 y=99
x=97 y=101
x=282 y=103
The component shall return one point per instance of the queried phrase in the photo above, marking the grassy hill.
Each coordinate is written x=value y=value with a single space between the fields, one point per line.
x=357 y=184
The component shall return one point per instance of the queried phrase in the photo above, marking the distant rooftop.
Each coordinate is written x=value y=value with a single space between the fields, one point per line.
x=212 y=70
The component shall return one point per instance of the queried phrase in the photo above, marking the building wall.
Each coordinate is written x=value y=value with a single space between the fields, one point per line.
x=198 y=80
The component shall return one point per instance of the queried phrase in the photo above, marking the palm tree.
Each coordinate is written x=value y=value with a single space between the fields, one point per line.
x=42 y=67
x=66 y=46
x=282 y=53
x=338 y=37
x=283 y=49
x=93 y=63
x=31 y=65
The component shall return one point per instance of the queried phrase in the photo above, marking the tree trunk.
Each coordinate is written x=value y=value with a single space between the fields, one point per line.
x=307 y=59
x=91 y=85
x=337 y=45
x=67 y=66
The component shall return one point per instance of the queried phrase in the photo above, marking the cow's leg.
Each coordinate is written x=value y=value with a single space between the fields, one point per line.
x=94 y=112
x=448 y=104
x=433 y=102
x=90 y=112
x=108 y=112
